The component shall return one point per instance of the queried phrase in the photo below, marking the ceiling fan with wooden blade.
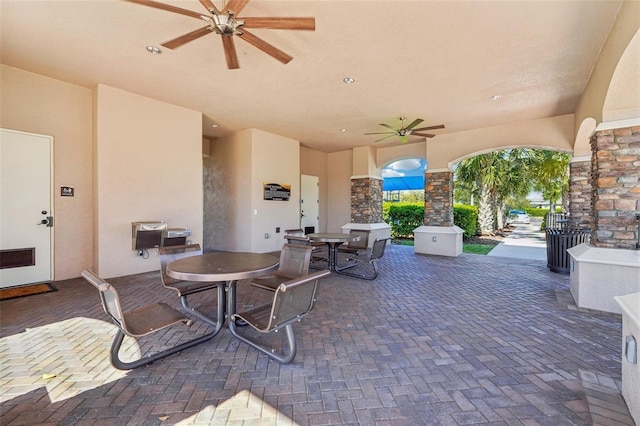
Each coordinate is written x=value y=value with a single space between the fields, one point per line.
x=405 y=131
x=226 y=23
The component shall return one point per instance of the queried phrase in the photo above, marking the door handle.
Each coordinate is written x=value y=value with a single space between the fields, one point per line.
x=48 y=221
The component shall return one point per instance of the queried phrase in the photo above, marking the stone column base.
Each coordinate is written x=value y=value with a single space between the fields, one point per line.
x=439 y=240
x=376 y=230
x=598 y=274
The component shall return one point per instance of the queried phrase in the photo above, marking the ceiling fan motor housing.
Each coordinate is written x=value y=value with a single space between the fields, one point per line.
x=223 y=24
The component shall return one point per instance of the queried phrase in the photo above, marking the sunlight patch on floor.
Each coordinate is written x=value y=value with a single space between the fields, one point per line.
x=243 y=406
x=66 y=357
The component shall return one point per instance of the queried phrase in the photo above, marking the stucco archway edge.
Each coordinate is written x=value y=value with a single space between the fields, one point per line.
x=582 y=146
x=621 y=101
x=623 y=31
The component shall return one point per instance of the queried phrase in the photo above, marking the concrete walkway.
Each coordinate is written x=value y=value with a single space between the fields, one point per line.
x=527 y=241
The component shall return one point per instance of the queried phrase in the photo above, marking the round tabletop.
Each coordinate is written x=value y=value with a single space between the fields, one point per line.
x=222 y=266
x=328 y=237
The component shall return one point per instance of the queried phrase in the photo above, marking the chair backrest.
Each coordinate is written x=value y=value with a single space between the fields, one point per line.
x=294 y=299
x=363 y=242
x=294 y=260
x=108 y=296
x=171 y=253
x=377 y=251
x=296 y=236
x=295 y=232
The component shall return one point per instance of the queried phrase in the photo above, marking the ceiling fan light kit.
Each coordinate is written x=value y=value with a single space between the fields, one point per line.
x=405 y=131
x=224 y=23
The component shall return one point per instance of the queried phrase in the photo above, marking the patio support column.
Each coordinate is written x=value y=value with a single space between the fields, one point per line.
x=366 y=196
x=609 y=265
x=366 y=200
x=438 y=235
x=438 y=198
x=616 y=187
x=580 y=191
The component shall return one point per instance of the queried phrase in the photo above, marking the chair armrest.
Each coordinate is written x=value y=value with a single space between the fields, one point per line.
x=303 y=280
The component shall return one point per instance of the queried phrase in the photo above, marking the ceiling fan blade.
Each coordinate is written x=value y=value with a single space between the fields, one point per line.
x=381 y=133
x=386 y=137
x=179 y=41
x=388 y=127
x=265 y=47
x=414 y=123
x=235 y=6
x=439 y=126
x=209 y=6
x=426 y=135
x=167 y=7
x=230 y=52
x=281 y=23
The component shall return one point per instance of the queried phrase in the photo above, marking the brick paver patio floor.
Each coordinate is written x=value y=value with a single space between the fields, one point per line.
x=433 y=340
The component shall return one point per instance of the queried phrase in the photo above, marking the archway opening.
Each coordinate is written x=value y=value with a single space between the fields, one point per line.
x=403 y=180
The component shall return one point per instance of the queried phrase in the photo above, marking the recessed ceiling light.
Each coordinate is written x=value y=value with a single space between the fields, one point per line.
x=495 y=97
x=154 y=50
x=348 y=80
x=343 y=130
x=214 y=125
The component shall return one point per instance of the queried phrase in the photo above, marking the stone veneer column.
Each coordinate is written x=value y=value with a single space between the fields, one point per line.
x=616 y=187
x=580 y=191
x=366 y=200
x=438 y=198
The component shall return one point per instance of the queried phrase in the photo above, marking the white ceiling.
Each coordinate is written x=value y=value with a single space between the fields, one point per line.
x=436 y=60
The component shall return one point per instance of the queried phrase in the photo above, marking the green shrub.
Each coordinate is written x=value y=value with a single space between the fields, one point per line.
x=404 y=218
x=466 y=217
x=385 y=211
x=536 y=212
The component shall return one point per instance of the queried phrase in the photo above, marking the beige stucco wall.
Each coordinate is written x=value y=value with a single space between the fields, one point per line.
x=364 y=162
x=314 y=163
x=237 y=213
x=228 y=194
x=33 y=103
x=442 y=151
x=275 y=159
x=548 y=133
x=339 y=172
x=148 y=166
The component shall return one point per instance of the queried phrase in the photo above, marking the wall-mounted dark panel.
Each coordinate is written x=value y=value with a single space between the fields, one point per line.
x=16 y=258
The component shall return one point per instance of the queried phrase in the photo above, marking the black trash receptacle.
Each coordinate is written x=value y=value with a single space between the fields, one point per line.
x=558 y=241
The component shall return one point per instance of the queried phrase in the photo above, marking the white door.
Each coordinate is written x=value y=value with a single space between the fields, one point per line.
x=309 y=200
x=26 y=219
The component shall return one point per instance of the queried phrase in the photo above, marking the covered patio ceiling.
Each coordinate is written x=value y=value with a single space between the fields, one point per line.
x=466 y=65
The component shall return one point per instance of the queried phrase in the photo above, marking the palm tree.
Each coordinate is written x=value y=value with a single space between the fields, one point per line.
x=481 y=170
x=549 y=172
x=513 y=181
x=496 y=176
